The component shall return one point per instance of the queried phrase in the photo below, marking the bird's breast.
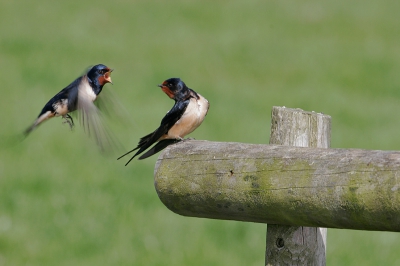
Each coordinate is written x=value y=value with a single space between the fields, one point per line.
x=191 y=118
x=86 y=92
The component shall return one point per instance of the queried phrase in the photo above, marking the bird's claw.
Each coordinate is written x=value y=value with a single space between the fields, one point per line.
x=182 y=139
x=69 y=121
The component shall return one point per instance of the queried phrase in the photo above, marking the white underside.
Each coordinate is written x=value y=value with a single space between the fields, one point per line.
x=61 y=108
x=190 y=120
x=86 y=92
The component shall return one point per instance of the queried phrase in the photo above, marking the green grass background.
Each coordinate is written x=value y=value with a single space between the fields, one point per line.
x=63 y=203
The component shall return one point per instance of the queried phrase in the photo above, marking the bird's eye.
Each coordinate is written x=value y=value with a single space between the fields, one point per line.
x=101 y=71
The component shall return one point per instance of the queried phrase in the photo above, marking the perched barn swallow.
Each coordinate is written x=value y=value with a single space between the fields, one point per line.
x=186 y=115
x=79 y=95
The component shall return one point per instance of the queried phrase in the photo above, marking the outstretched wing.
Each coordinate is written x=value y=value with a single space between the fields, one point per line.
x=92 y=120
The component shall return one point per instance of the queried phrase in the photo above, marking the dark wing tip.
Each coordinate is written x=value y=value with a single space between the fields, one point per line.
x=158 y=147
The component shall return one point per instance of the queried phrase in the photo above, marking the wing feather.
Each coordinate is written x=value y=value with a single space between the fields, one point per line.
x=92 y=120
x=166 y=123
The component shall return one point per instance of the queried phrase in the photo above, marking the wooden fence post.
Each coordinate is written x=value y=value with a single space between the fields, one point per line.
x=297 y=245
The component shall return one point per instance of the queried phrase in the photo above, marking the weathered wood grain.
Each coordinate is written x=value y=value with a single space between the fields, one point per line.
x=334 y=188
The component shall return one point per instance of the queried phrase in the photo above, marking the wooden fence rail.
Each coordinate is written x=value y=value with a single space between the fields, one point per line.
x=284 y=186
x=334 y=188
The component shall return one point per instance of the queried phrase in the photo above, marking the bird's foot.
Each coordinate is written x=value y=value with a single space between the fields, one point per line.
x=187 y=139
x=69 y=121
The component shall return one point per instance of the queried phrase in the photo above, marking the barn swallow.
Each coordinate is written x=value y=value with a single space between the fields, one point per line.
x=186 y=115
x=79 y=95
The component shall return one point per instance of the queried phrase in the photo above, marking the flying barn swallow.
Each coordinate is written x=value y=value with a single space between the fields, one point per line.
x=186 y=115
x=79 y=95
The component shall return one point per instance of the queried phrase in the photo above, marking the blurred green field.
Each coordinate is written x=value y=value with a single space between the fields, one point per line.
x=63 y=203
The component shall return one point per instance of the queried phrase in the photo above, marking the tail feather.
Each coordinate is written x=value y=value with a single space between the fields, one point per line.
x=38 y=121
x=128 y=153
x=142 y=143
x=30 y=129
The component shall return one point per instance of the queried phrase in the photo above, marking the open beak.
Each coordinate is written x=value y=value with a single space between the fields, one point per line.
x=107 y=76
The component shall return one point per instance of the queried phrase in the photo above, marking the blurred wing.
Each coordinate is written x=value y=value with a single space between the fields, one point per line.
x=110 y=106
x=93 y=123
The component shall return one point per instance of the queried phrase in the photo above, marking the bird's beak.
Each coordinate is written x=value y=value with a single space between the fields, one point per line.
x=160 y=85
x=107 y=76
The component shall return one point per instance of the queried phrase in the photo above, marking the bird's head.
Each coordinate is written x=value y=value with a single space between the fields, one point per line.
x=173 y=87
x=100 y=74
